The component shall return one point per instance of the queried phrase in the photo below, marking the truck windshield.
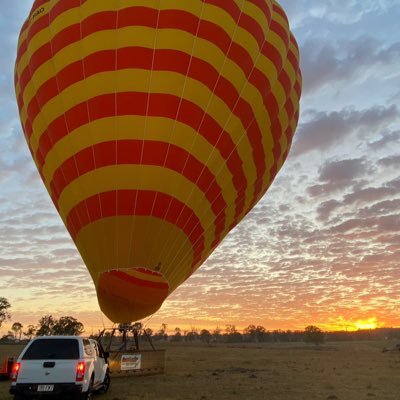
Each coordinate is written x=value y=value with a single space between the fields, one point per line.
x=53 y=349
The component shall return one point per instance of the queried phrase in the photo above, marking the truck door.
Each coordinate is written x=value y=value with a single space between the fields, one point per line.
x=98 y=363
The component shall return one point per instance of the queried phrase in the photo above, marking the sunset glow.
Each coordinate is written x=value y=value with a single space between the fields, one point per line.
x=351 y=325
x=370 y=323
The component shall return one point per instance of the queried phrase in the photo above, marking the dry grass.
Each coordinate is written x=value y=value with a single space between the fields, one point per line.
x=345 y=371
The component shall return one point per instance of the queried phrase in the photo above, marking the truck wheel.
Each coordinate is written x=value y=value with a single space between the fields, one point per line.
x=89 y=394
x=105 y=385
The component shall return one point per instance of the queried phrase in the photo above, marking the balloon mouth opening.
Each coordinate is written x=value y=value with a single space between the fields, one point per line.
x=131 y=294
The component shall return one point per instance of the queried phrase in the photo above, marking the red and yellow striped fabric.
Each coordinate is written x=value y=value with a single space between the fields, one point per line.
x=156 y=126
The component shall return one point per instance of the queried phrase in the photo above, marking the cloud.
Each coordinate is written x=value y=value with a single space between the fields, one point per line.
x=387 y=139
x=339 y=174
x=391 y=161
x=326 y=208
x=343 y=170
x=347 y=61
x=327 y=129
x=339 y=12
x=371 y=194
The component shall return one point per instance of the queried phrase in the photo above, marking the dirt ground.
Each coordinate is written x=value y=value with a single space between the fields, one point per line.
x=343 y=371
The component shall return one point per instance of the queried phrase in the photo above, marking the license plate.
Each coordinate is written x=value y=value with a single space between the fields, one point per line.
x=45 y=388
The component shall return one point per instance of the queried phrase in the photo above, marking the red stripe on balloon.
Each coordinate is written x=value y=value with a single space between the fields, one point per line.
x=25 y=25
x=38 y=3
x=277 y=150
x=262 y=5
x=37 y=26
x=297 y=86
x=277 y=9
x=138 y=203
x=149 y=272
x=276 y=128
x=137 y=281
x=293 y=60
x=41 y=23
x=269 y=51
x=23 y=47
x=243 y=20
x=138 y=152
x=283 y=33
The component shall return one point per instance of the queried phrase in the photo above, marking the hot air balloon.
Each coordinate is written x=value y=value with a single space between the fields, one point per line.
x=156 y=126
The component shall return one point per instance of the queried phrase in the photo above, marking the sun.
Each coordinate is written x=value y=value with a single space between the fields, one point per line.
x=370 y=323
x=344 y=324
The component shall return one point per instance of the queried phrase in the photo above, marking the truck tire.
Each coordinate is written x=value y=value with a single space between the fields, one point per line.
x=106 y=384
x=89 y=394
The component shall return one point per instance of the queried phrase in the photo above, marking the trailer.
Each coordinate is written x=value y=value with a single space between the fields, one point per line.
x=131 y=351
x=6 y=368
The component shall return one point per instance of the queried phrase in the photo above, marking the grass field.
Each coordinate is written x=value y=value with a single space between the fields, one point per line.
x=344 y=371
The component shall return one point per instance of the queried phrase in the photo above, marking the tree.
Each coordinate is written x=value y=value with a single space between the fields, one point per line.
x=17 y=329
x=261 y=334
x=9 y=338
x=255 y=333
x=230 y=329
x=46 y=325
x=68 y=326
x=161 y=333
x=192 y=335
x=178 y=335
x=232 y=335
x=250 y=332
x=149 y=332
x=205 y=336
x=313 y=334
x=4 y=306
x=217 y=334
x=138 y=326
x=30 y=332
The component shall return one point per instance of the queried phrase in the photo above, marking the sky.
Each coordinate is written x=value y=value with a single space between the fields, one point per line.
x=323 y=245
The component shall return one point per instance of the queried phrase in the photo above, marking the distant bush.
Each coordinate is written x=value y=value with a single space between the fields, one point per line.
x=313 y=334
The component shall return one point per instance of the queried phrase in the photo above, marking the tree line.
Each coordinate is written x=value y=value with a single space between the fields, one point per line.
x=47 y=325
x=253 y=333
x=259 y=334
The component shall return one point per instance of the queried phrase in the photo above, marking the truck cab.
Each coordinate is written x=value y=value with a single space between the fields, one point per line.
x=57 y=365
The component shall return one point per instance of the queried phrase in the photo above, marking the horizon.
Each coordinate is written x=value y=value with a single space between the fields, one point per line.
x=323 y=245
x=171 y=331
x=358 y=326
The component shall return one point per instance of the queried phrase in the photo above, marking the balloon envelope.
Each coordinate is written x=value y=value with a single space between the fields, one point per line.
x=156 y=126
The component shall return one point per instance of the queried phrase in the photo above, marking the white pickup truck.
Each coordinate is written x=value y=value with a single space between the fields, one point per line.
x=57 y=365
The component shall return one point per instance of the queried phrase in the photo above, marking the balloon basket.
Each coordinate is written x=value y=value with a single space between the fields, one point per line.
x=131 y=352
